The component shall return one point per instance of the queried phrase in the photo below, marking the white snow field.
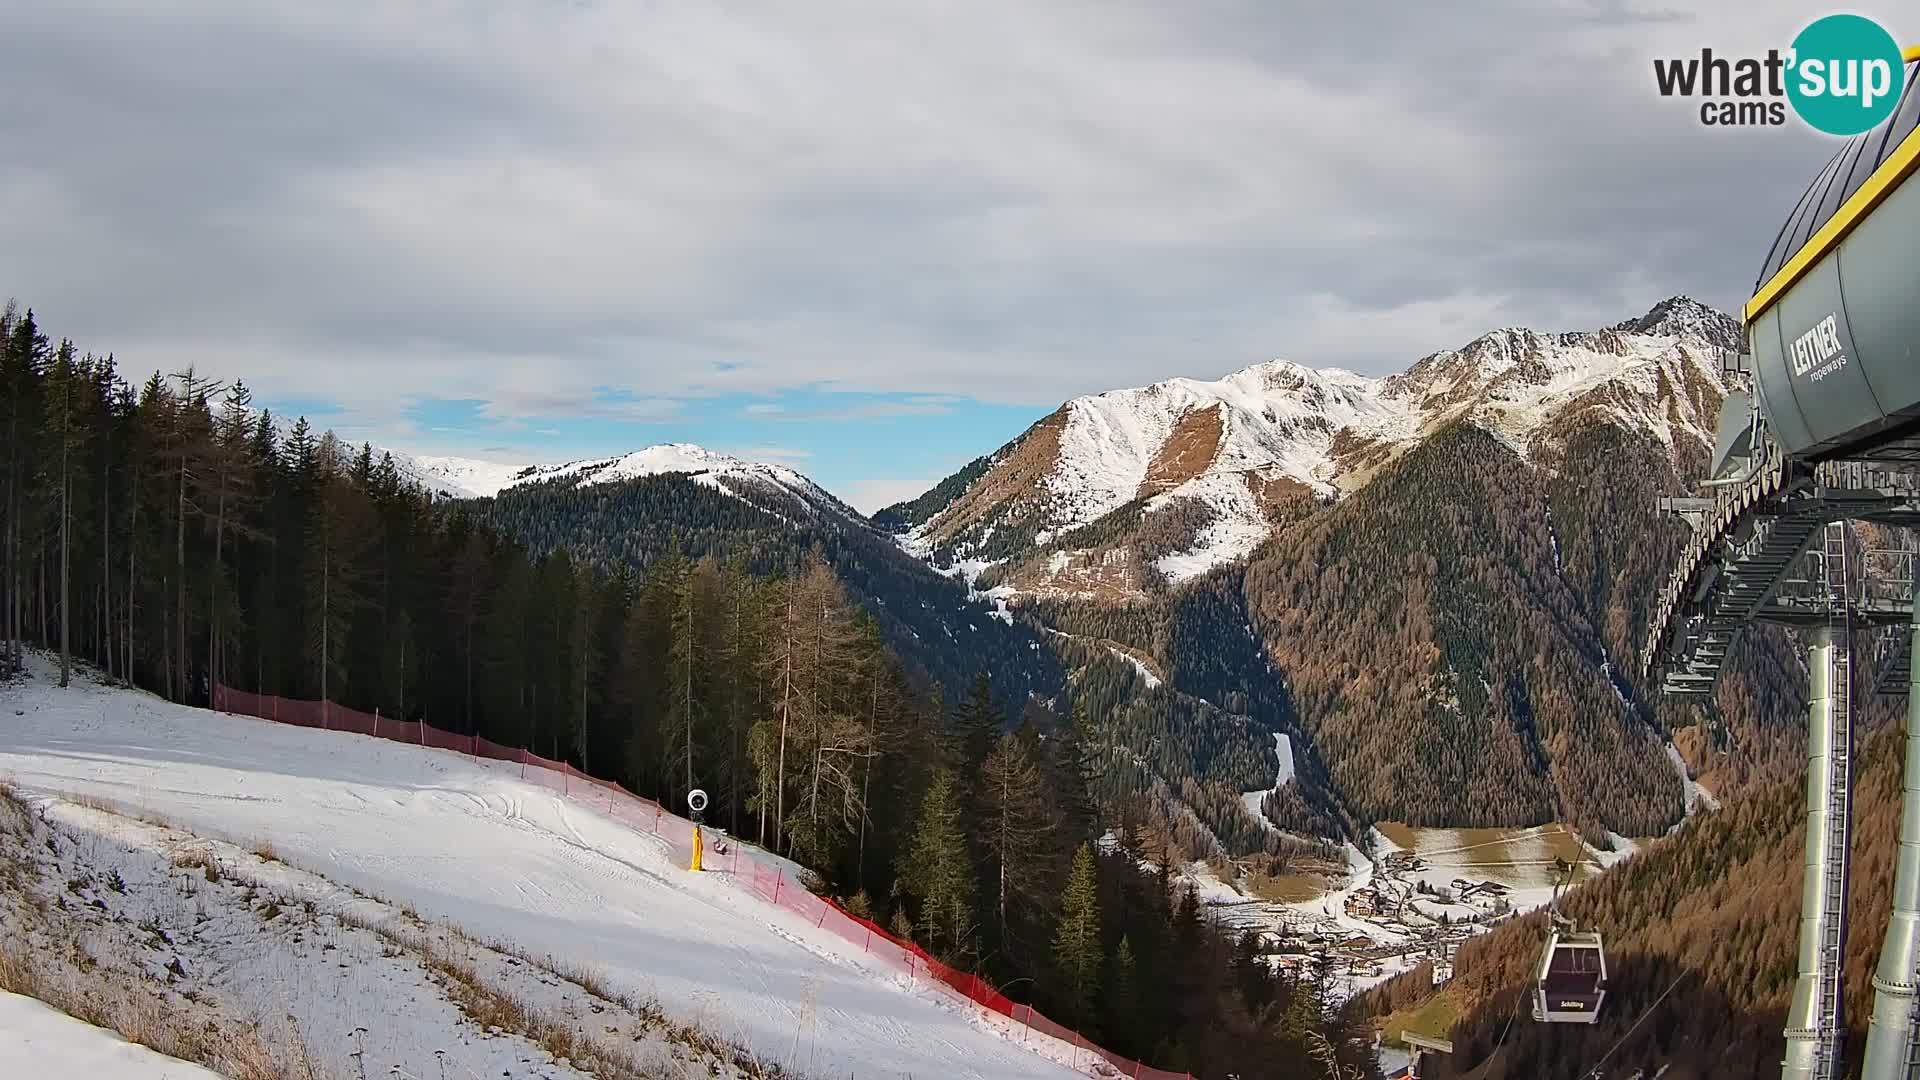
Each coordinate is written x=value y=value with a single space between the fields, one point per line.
x=39 y=1041
x=469 y=843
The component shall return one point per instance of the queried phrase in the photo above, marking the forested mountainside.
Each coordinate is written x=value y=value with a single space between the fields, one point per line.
x=1445 y=667
x=171 y=537
x=1709 y=915
x=929 y=619
x=1163 y=748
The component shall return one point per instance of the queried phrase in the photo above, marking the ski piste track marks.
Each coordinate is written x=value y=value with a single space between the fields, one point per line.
x=463 y=840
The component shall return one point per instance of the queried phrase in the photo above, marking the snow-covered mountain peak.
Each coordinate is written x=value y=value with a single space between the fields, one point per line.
x=1684 y=317
x=1225 y=452
x=464 y=478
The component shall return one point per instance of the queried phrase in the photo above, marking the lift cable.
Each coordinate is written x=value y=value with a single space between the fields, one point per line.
x=1594 y=1073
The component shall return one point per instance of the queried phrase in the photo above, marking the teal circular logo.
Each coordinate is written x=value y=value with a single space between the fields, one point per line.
x=1845 y=74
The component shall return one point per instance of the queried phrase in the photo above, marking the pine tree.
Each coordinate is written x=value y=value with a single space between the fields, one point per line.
x=939 y=873
x=232 y=480
x=1070 y=771
x=977 y=724
x=65 y=433
x=1077 y=953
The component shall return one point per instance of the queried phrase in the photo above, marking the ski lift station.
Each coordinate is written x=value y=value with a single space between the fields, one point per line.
x=1820 y=430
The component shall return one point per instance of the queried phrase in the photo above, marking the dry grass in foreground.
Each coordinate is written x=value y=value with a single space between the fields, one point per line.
x=58 y=970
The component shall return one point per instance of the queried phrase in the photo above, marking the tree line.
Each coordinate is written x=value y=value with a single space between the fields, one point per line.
x=175 y=537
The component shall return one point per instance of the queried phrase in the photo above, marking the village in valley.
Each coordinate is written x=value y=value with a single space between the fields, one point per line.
x=1411 y=900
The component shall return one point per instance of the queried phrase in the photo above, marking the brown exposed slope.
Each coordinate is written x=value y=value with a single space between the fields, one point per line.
x=1186 y=453
x=1013 y=490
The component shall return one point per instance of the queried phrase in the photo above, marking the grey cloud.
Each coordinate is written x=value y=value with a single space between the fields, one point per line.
x=526 y=202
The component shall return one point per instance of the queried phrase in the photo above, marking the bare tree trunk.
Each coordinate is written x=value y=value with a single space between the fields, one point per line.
x=687 y=703
x=866 y=776
x=586 y=656
x=470 y=726
x=66 y=596
x=133 y=525
x=106 y=551
x=180 y=565
x=213 y=583
x=326 y=600
x=733 y=706
x=786 y=714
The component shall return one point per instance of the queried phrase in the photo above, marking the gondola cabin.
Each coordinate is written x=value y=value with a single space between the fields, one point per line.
x=1572 y=979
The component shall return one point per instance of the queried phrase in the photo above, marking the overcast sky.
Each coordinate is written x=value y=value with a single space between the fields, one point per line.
x=870 y=240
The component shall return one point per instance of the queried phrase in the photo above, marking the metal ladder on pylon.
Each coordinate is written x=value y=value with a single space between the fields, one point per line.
x=1832 y=1030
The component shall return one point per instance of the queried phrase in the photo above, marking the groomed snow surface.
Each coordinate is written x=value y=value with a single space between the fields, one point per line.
x=469 y=844
x=39 y=1041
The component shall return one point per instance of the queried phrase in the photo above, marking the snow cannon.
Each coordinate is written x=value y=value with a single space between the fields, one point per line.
x=1833 y=326
x=697 y=803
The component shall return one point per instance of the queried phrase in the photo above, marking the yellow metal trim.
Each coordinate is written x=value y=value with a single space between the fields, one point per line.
x=1885 y=179
x=1911 y=54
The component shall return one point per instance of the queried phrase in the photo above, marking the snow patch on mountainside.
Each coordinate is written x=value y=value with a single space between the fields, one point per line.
x=1696 y=797
x=1238 y=525
x=1274 y=415
x=1282 y=746
x=1146 y=674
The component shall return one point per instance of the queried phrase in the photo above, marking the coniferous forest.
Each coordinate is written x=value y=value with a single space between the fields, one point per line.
x=167 y=533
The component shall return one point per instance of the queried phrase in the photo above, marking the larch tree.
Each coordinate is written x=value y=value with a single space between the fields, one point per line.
x=1014 y=828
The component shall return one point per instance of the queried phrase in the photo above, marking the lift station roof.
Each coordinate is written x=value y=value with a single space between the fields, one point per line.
x=1834 y=322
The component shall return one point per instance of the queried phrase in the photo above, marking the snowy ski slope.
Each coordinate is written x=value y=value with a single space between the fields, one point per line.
x=469 y=842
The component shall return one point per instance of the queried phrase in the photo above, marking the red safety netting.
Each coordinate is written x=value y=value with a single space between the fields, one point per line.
x=769 y=881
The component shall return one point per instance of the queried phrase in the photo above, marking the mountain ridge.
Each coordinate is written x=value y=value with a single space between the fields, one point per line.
x=1210 y=465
